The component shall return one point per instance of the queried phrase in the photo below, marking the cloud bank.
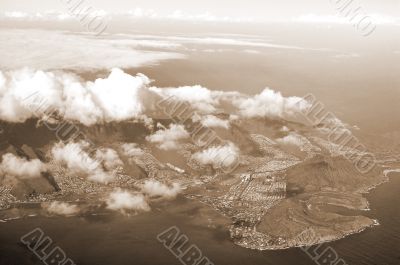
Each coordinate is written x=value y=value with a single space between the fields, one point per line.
x=49 y=50
x=134 y=14
x=25 y=94
x=119 y=97
x=179 y=15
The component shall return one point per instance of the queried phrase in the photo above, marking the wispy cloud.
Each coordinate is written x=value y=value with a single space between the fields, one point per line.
x=335 y=19
x=180 y=15
x=42 y=49
x=137 y=13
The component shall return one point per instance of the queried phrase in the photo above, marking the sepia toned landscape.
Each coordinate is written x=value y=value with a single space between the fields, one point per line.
x=154 y=133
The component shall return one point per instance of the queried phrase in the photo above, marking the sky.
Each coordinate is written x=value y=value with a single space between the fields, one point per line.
x=254 y=9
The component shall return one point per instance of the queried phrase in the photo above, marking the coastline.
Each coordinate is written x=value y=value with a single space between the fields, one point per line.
x=375 y=222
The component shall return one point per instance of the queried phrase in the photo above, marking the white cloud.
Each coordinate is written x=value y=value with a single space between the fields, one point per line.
x=270 y=104
x=212 y=121
x=16 y=14
x=120 y=200
x=49 y=50
x=341 y=19
x=168 y=139
x=220 y=42
x=313 y=18
x=179 y=15
x=15 y=87
x=78 y=103
x=74 y=156
x=137 y=13
x=120 y=96
x=199 y=98
x=101 y=176
x=220 y=157
x=237 y=43
x=251 y=51
x=142 y=13
x=20 y=167
x=78 y=161
x=131 y=150
x=124 y=103
x=61 y=208
x=109 y=157
x=155 y=188
x=145 y=42
x=285 y=129
x=206 y=17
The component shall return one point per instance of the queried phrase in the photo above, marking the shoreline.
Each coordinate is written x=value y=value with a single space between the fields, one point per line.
x=375 y=222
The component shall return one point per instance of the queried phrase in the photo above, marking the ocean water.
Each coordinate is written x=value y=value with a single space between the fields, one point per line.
x=118 y=240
